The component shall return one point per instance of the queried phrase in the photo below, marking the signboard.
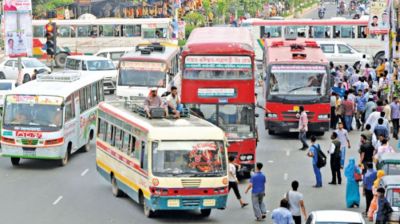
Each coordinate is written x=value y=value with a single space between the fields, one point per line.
x=17 y=5
x=144 y=65
x=379 y=17
x=31 y=99
x=216 y=92
x=218 y=62
x=298 y=68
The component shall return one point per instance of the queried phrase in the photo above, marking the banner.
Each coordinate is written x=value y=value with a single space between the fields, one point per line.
x=379 y=17
x=18 y=42
x=17 y=5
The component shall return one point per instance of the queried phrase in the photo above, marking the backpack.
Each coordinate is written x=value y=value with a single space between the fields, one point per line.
x=321 y=161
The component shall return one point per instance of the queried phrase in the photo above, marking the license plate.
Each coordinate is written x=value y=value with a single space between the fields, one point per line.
x=30 y=153
x=293 y=130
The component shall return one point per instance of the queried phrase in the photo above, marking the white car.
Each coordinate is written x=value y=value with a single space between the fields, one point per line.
x=114 y=53
x=9 y=69
x=5 y=87
x=93 y=65
x=341 y=53
x=335 y=217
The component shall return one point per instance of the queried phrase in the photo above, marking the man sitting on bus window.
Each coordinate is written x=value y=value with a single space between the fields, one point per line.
x=173 y=101
x=153 y=101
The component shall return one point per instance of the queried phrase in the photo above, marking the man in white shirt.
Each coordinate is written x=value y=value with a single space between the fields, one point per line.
x=373 y=120
x=233 y=181
x=174 y=103
x=296 y=203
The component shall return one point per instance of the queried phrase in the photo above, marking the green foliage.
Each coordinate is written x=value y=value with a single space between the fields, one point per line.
x=188 y=29
x=40 y=7
x=195 y=18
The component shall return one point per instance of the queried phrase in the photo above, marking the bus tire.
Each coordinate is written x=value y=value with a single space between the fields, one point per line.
x=114 y=187
x=26 y=78
x=64 y=161
x=60 y=59
x=2 y=76
x=15 y=161
x=146 y=209
x=271 y=132
x=86 y=147
x=379 y=55
x=205 y=212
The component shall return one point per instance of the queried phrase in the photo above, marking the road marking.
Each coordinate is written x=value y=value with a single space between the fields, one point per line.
x=285 y=176
x=58 y=200
x=84 y=172
x=270 y=161
x=287 y=152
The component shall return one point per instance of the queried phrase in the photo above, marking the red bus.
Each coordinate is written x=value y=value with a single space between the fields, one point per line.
x=218 y=85
x=296 y=74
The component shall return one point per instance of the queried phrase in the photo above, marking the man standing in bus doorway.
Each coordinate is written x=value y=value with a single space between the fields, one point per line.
x=303 y=127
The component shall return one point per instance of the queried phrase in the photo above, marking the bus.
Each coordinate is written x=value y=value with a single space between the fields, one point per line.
x=352 y=31
x=218 y=85
x=51 y=117
x=162 y=164
x=151 y=65
x=296 y=74
x=89 y=36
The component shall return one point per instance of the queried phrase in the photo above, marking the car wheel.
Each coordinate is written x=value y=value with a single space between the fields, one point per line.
x=60 y=59
x=2 y=76
x=15 y=161
x=27 y=78
x=205 y=212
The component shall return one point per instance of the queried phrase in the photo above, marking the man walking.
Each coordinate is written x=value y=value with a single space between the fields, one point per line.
x=233 y=181
x=366 y=152
x=313 y=153
x=257 y=184
x=368 y=182
x=303 y=127
x=334 y=151
x=296 y=203
x=361 y=101
x=348 y=112
x=395 y=115
x=343 y=137
x=282 y=214
x=384 y=207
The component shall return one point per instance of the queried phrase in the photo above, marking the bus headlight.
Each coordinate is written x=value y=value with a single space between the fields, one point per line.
x=323 y=117
x=243 y=157
x=249 y=157
x=272 y=115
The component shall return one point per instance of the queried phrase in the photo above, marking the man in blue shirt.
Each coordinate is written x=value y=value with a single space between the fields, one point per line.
x=282 y=214
x=257 y=184
x=384 y=207
x=381 y=129
x=313 y=153
x=368 y=182
x=361 y=101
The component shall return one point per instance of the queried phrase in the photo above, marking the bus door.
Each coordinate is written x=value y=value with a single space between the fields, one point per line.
x=71 y=123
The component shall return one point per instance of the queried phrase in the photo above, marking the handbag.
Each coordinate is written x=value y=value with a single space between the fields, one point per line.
x=357 y=176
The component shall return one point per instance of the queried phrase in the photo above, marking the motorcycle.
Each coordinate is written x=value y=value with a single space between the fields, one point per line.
x=321 y=13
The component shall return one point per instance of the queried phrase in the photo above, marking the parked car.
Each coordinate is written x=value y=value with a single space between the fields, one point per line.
x=341 y=53
x=335 y=217
x=390 y=163
x=114 y=53
x=392 y=194
x=9 y=69
x=5 y=87
x=94 y=65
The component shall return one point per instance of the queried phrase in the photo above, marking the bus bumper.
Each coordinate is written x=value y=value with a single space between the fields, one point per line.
x=187 y=202
x=57 y=152
x=293 y=126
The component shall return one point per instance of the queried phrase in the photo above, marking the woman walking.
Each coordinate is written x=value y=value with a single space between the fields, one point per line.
x=352 y=191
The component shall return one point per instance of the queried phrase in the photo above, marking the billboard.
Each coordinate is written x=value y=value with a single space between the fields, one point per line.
x=379 y=17
x=17 y=5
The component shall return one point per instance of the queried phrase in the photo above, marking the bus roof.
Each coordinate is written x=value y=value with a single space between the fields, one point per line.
x=307 y=22
x=104 y=21
x=159 y=56
x=279 y=50
x=189 y=128
x=220 y=40
x=55 y=88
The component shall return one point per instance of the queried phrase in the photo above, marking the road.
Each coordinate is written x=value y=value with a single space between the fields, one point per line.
x=331 y=9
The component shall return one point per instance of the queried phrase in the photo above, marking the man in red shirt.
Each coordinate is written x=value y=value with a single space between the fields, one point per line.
x=349 y=109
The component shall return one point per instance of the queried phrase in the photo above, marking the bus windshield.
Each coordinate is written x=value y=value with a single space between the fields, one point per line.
x=308 y=80
x=43 y=112
x=132 y=77
x=236 y=120
x=189 y=159
x=100 y=65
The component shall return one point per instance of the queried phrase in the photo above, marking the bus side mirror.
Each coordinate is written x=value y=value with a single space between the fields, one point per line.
x=256 y=115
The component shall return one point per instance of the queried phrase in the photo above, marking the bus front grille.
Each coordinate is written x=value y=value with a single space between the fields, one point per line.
x=292 y=115
x=191 y=182
x=191 y=202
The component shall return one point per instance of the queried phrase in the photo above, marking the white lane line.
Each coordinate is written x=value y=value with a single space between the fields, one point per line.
x=270 y=161
x=287 y=152
x=58 y=200
x=84 y=172
x=285 y=176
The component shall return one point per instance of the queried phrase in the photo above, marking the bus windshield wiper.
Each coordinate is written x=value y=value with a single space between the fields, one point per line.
x=297 y=88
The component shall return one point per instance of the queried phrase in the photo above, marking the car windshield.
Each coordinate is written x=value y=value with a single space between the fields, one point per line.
x=236 y=120
x=298 y=80
x=189 y=159
x=100 y=65
x=6 y=85
x=132 y=77
x=32 y=63
x=391 y=169
x=33 y=111
x=393 y=196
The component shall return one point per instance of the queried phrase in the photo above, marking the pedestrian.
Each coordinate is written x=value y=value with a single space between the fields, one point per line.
x=313 y=153
x=349 y=109
x=296 y=203
x=282 y=214
x=257 y=186
x=233 y=181
x=333 y=110
x=368 y=182
x=374 y=203
x=384 y=207
x=369 y=107
x=387 y=110
x=366 y=152
x=381 y=129
x=361 y=101
x=352 y=192
x=385 y=147
x=368 y=133
x=395 y=115
x=334 y=151
x=343 y=137
x=303 y=127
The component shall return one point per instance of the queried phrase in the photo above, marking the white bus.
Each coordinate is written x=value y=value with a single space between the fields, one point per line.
x=163 y=164
x=148 y=66
x=89 y=36
x=352 y=31
x=51 y=117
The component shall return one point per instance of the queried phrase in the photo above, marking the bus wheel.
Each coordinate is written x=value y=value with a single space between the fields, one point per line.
x=15 y=161
x=86 y=147
x=114 y=187
x=270 y=132
x=60 y=59
x=64 y=160
x=2 y=76
x=205 y=212
x=146 y=209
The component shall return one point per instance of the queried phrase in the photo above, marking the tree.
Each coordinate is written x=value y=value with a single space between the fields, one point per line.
x=221 y=9
x=41 y=7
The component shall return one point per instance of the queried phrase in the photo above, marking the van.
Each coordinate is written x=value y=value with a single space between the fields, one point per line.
x=341 y=53
x=114 y=53
x=93 y=65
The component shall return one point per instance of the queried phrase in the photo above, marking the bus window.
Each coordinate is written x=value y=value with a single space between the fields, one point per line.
x=83 y=31
x=110 y=133
x=344 y=32
x=272 y=32
x=143 y=156
x=69 y=109
x=64 y=31
x=362 y=32
x=38 y=31
x=132 y=30
x=117 y=30
x=102 y=129
x=320 y=32
x=119 y=139
x=93 y=31
x=299 y=31
x=95 y=97
x=89 y=97
x=82 y=100
x=106 y=31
